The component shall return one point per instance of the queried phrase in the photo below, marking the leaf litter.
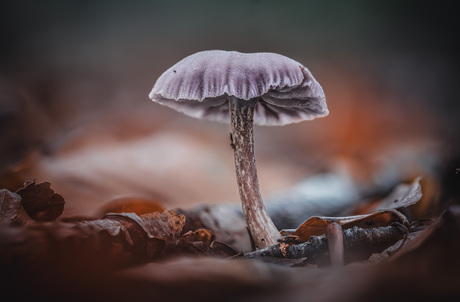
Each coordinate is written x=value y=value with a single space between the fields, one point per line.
x=126 y=239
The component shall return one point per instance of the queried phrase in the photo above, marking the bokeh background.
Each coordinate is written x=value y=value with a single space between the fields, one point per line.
x=75 y=78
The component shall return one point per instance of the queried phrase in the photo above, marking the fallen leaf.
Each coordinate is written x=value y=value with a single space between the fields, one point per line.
x=402 y=196
x=40 y=202
x=11 y=211
x=221 y=249
x=201 y=235
x=117 y=240
x=167 y=224
x=226 y=222
x=317 y=225
x=130 y=204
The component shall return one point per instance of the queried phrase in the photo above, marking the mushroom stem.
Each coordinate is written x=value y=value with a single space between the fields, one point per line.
x=261 y=227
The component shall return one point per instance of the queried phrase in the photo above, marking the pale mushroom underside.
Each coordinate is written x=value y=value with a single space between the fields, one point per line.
x=201 y=85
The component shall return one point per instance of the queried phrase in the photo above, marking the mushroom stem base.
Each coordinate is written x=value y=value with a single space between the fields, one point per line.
x=261 y=227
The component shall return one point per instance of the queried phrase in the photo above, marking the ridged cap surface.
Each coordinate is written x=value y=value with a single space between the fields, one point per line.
x=201 y=84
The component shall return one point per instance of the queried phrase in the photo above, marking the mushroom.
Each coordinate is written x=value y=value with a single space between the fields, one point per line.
x=243 y=89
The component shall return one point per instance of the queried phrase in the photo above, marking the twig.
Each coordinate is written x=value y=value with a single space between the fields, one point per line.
x=406 y=234
x=358 y=243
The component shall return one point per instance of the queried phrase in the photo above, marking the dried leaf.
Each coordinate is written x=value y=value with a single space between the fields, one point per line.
x=201 y=235
x=131 y=204
x=169 y=227
x=221 y=249
x=198 y=241
x=167 y=224
x=40 y=201
x=117 y=240
x=226 y=223
x=402 y=196
x=317 y=225
x=11 y=210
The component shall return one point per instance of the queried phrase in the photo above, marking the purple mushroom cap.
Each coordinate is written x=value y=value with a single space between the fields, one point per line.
x=201 y=84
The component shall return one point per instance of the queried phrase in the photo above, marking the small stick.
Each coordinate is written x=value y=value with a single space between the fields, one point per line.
x=355 y=239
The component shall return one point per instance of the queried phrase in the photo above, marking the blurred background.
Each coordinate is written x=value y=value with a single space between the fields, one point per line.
x=75 y=78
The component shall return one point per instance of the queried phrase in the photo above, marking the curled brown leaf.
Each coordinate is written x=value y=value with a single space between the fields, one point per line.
x=404 y=197
x=11 y=211
x=40 y=202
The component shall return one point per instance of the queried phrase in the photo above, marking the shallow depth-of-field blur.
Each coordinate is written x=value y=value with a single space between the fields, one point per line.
x=75 y=78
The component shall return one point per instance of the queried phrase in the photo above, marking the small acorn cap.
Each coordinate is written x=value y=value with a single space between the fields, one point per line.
x=201 y=84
